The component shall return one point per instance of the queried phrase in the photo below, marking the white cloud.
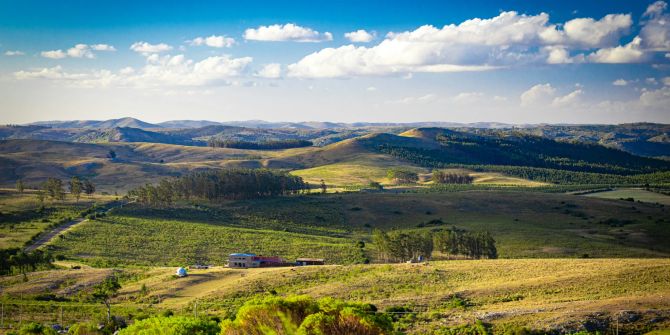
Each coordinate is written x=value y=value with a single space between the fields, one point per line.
x=213 y=41
x=270 y=71
x=468 y=97
x=53 y=54
x=545 y=96
x=148 y=48
x=159 y=72
x=651 y=81
x=655 y=32
x=14 y=53
x=537 y=95
x=597 y=33
x=102 y=47
x=656 y=99
x=371 y=89
x=568 y=100
x=561 y=55
x=629 y=53
x=666 y=81
x=360 y=36
x=509 y=39
x=620 y=82
x=286 y=32
x=78 y=51
x=655 y=9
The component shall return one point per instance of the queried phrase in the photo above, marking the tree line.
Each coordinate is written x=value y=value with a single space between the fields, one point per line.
x=434 y=159
x=262 y=145
x=17 y=261
x=218 y=185
x=53 y=188
x=402 y=246
x=442 y=177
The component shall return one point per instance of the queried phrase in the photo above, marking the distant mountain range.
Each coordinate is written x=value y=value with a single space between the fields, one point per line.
x=643 y=139
x=135 y=123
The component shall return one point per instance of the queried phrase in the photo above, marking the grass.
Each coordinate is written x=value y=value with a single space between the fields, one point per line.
x=22 y=219
x=123 y=240
x=636 y=193
x=535 y=225
x=539 y=294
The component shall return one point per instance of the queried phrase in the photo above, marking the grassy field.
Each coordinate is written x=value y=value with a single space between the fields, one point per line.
x=22 y=219
x=564 y=295
x=636 y=193
x=121 y=240
x=524 y=225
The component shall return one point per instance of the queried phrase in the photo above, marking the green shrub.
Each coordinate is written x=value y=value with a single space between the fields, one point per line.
x=35 y=328
x=304 y=315
x=174 y=325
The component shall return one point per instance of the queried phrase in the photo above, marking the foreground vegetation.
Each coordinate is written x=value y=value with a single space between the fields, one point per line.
x=543 y=295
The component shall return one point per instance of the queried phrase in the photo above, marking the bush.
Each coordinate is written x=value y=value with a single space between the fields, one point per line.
x=35 y=328
x=84 y=328
x=174 y=325
x=304 y=315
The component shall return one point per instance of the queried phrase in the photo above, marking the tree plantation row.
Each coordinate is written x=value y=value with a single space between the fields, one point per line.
x=219 y=184
x=403 y=246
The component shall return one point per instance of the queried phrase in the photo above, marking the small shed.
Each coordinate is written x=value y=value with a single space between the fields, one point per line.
x=310 y=261
x=181 y=272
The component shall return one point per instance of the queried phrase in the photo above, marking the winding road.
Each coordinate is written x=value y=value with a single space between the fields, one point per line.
x=46 y=237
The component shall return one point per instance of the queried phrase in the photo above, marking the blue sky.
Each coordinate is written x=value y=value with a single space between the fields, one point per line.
x=385 y=61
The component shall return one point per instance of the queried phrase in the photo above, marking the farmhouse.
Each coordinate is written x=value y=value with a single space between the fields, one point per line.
x=244 y=260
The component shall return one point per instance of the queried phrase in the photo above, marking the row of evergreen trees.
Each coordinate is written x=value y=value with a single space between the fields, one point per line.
x=262 y=145
x=218 y=185
x=402 y=246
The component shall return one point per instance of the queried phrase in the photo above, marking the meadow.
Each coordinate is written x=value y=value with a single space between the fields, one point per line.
x=330 y=226
x=636 y=194
x=22 y=216
x=559 y=295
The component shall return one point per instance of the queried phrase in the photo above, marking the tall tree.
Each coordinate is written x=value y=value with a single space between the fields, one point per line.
x=54 y=188
x=324 y=187
x=88 y=187
x=20 y=186
x=105 y=291
x=76 y=187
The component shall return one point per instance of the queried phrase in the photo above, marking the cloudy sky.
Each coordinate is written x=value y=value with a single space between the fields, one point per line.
x=507 y=61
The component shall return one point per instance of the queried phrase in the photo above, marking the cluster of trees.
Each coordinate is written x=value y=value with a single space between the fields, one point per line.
x=262 y=145
x=402 y=246
x=17 y=261
x=53 y=188
x=441 y=177
x=471 y=244
x=217 y=185
x=402 y=176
